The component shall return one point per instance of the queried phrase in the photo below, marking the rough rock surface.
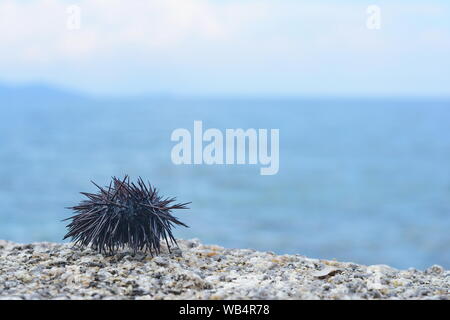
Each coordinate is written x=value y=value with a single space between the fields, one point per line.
x=196 y=271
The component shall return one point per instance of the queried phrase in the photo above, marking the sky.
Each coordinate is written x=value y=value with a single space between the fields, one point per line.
x=228 y=48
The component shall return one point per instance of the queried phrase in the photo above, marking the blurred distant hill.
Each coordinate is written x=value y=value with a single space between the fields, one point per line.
x=36 y=94
x=39 y=94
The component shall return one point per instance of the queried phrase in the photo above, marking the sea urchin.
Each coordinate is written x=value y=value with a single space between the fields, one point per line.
x=124 y=214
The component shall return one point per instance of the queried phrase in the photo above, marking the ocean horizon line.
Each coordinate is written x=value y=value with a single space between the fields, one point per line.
x=43 y=89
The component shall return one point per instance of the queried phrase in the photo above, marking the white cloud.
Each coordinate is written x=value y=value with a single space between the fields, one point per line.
x=194 y=45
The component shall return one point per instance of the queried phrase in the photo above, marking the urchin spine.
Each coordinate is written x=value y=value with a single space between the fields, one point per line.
x=124 y=214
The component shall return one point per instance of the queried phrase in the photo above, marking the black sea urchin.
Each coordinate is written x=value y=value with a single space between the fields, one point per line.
x=124 y=214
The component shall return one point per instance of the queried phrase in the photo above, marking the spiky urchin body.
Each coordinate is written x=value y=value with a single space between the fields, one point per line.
x=124 y=214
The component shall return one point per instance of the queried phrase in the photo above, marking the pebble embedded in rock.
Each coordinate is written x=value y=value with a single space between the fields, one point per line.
x=197 y=271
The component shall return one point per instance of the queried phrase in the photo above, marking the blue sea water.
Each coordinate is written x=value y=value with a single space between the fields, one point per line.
x=362 y=180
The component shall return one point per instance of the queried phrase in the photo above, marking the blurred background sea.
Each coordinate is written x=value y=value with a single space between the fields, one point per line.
x=362 y=180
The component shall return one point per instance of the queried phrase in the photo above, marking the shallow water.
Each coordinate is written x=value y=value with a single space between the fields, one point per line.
x=360 y=180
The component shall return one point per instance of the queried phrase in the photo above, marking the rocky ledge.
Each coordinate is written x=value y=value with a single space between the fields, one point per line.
x=196 y=271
